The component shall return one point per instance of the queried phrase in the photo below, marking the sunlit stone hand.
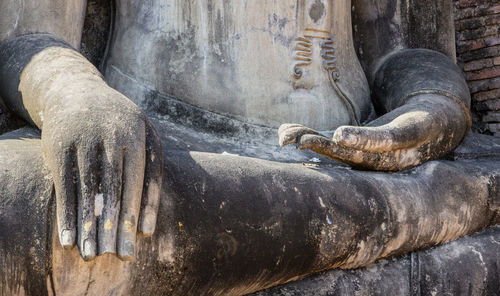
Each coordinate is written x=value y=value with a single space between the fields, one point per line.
x=104 y=155
x=429 y=117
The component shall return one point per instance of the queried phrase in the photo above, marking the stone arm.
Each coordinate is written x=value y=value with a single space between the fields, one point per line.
x=100 y=148
x=421 y=94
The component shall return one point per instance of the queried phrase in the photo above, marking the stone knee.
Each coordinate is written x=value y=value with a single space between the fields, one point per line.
x=25 y=215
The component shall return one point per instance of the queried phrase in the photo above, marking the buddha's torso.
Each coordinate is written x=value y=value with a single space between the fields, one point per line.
x=59 y=17
x=266 y=62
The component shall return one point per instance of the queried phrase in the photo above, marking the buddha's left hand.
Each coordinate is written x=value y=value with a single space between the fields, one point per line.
x=426 y=101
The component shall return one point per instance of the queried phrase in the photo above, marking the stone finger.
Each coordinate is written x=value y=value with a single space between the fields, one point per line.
x=290 y=133
x=152 y=182
x=133 y=181
x=62 y=164
x=407 y=130
x=380 y=161
x=88 y=167
x=108 y=209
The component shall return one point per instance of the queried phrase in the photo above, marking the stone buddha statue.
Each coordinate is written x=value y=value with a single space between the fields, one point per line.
x=220 y=208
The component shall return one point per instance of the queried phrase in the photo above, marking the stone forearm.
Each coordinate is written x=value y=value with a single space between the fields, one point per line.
x=415 y=72
x=40 y=72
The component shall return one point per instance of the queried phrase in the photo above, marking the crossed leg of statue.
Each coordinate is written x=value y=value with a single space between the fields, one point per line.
x=231 y=225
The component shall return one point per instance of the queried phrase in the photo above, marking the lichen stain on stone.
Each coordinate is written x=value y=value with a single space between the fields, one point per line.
x=108 y=225
x=317 y=10
x=87 y=226
x=129 y=226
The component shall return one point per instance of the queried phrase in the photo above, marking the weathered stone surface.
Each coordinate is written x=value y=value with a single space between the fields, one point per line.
x=491 y=117
x=96 y=31
x=237 y=58
x=234 y=224
x=95 y=141
x=224 y=221
x=463 y=267
x=26 y=211
x=417 y=89
x=59 y=17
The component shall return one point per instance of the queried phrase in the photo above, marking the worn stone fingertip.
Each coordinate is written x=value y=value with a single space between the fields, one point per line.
x=126 y=251
x=343 y=136
x=147 y=227
x=67 y=238
x=88 y=251
x=107 y=249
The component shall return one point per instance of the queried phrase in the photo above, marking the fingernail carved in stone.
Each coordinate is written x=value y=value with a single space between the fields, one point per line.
x=89 y=249
x=148 y=224
x=67 y=238
x=127 y=250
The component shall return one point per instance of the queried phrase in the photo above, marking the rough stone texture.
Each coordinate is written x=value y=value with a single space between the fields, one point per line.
x=382 y=27
x=25 y=215
x=235 y=224
x=467 y=266
x=477 y=25
x=58 y=17
x=45 y=81
x=8 y=120
x=237 y=58
x=96 y=30
x=224 y=228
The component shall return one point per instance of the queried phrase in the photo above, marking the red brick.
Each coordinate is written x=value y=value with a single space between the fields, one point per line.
x=478 y=65
x=494 y=127
x=492 y=41
x=476 y=11
x=484 y=73
x=464 y=46
x=494 y=9
x=487 y=95
x=493 y=20
x=482 y=53
x=490 y=105
x=471 y=3
x=470 y=24
x=491 y=117
x=478 y=33
x=483 y=85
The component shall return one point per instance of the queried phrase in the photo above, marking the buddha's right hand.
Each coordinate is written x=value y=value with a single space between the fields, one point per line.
x=104 y=154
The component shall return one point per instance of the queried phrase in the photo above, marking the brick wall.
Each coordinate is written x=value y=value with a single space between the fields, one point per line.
x=477 y=24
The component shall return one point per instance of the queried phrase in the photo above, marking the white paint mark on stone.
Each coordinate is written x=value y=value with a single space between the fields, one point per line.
x=229 y=154
x=321 y=202
x=315 y=159
x=328 y=220
x=480 y=256
x=99 y=204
